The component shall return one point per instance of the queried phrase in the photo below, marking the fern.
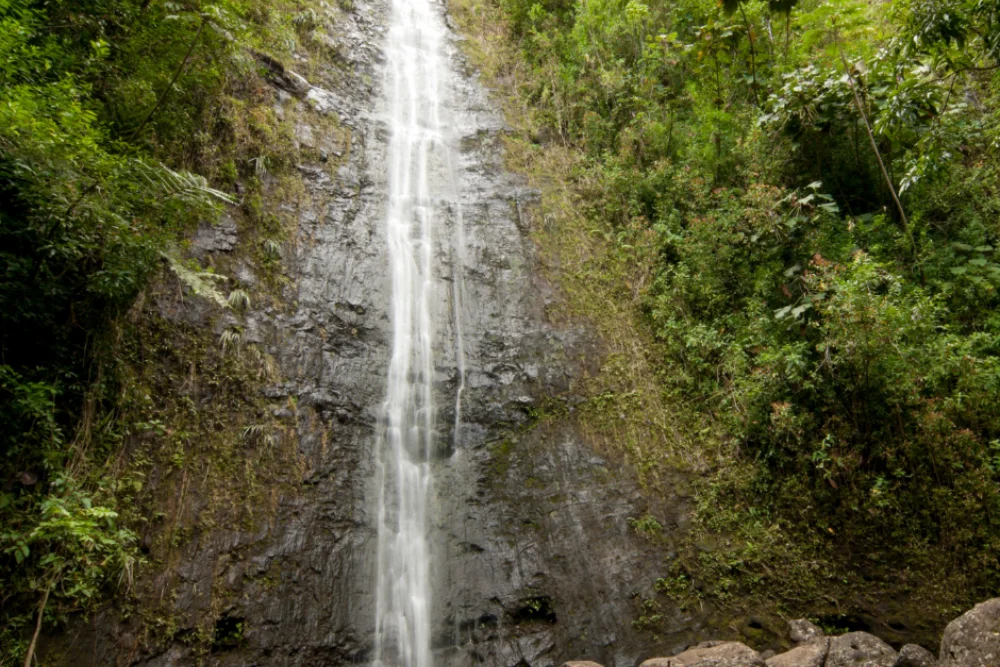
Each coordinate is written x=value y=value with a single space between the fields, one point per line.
x=183 y=185
x=238 y=300
x=202 y=283
x=267 y=369
x=231 y=340
x=253 y=431
x=259 y=165
x=272 y=249
x=259 y=433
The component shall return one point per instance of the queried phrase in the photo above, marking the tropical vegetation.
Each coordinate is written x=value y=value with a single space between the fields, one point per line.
x=123 y=124
x=809 y=188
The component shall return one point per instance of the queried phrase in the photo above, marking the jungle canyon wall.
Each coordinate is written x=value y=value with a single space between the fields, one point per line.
x=532 y=558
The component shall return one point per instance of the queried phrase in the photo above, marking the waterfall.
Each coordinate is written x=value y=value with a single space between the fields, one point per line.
x=422 y=192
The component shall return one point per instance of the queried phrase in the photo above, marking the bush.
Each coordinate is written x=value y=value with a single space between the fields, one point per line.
x=112 y=133
x=850 y=350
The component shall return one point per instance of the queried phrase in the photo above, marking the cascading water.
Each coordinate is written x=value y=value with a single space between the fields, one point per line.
x=421 y=191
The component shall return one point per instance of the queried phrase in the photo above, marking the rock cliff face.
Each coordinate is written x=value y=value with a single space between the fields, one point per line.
x=534 y=557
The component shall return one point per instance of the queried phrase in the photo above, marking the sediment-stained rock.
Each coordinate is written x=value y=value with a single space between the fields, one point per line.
x=711 y=654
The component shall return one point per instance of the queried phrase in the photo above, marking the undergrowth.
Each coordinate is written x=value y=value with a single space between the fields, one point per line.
x=807 y=335
x=123 y=126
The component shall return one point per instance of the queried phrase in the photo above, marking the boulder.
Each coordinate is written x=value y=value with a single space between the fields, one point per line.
x=711 y=643
x=912 y=655
x=282 y=78
x=859 y=649
x=660 y=662
x=802 y=631
x=711 y=654
x=806 y=655
x=726 y=654
x=296 y=83
x=581 y=663
x=973 y=639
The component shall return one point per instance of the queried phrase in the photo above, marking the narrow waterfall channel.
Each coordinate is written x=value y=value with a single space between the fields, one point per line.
x=422 y=193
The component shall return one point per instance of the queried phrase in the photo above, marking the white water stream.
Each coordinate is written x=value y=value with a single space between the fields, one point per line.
x=422 y=191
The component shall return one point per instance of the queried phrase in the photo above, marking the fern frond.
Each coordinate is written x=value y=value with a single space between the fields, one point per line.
x=253 y=431
x=184 y=185
x=202 y=283
x=267 y=369
x=231 y=340
x=259 y=433
x=238 y=299
x=260 y=165
x=272 y=249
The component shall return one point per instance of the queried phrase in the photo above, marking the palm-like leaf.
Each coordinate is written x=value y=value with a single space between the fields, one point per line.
x=202 y=283
x=184 y=185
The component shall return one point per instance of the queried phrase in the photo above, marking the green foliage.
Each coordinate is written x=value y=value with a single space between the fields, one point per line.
x=202 y=283
x=64 y=554
x=855 y=368
x=123 y=123
x=646 y=525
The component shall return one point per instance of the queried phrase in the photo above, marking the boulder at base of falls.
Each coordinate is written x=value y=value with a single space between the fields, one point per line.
x=806 y=655
x=912 y=655
x=973 y=639
x=711 y=654
x=859 y=649
x=802 y=631
x=660 y=662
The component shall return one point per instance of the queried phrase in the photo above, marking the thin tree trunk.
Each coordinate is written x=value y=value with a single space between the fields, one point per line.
x=177 y=73
x=753 y=55
x=788 y=34
x=159 y=102
x=38 y=627
x=904 y=221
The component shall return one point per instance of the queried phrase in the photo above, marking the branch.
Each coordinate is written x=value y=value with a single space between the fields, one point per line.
x=904 y=221
x=38 y=626
x=163 y=96
x=177 y=73
x=149 y=116
x=90 y=188
x=753 y=55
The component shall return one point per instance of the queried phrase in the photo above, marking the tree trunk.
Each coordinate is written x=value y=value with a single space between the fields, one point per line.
x=38 y=628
